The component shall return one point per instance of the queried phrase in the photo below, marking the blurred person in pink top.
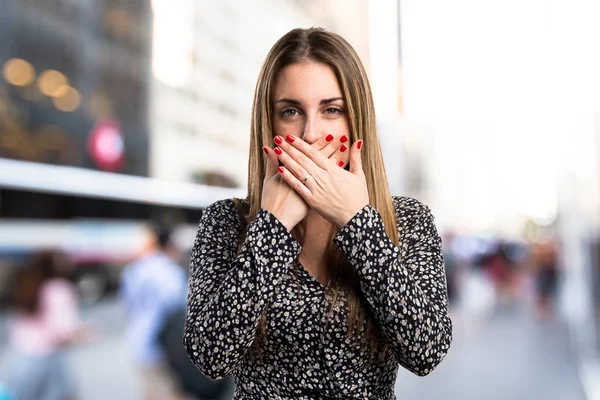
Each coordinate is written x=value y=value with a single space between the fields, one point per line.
x=43 y=324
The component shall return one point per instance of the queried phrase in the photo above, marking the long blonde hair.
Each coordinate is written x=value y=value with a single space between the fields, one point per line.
x=321 y=46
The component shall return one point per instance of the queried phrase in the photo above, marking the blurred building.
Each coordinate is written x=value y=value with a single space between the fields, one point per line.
x=74 y=136
x=143 y=87
x=576 y=38
x=112 y=112
x=384 y=77
x=509 y=130
x=73 y=91
x=74 y=83
x=206 y=59
x=485 y=105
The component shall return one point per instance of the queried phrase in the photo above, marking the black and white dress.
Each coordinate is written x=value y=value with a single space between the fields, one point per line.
x=405 y=288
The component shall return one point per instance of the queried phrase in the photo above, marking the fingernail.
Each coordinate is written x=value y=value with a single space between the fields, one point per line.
x=278 y=139
x=280 y=169
x=266 y=150
x=290 y=138
x=340 y=163
x=359 y=144
x=343 y=148
x=278 y=150
x=344 y=139
x=329 y=138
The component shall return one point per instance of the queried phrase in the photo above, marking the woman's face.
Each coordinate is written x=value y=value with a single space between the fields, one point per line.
x=308 y=103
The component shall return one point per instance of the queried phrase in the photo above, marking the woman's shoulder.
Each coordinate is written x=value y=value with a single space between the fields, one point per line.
x=228 y=211
x=408 y=206
x=410 y=214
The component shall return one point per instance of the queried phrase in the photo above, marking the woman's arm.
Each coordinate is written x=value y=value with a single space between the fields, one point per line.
x=405 y=287
x=227 y=292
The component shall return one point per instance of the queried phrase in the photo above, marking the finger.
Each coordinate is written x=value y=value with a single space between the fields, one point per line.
x=340 y=163
x=298 y=156
x=355 y=158
x=331 y=146
x=324 y=142
x=305 y=154
x=341 y=156
x=272 y=162
x=290 y=164
x=295 y=183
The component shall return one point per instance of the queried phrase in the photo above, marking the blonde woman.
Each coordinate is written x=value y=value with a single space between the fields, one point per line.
x=319 y=283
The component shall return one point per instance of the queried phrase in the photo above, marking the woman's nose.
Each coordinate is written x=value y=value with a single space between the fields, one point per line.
x=312 y=131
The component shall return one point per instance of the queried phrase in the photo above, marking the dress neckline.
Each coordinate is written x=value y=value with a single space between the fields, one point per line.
x=310 y=277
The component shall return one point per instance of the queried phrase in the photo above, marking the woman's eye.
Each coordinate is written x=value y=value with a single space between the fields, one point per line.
x=290 y=112
x=333 y=111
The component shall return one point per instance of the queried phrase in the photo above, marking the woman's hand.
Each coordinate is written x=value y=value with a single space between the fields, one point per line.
x=336 y=194
x=278 y=197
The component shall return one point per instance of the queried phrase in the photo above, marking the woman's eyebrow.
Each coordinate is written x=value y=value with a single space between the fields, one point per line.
x=291 y=101
x=327 y=101
x=298 y=103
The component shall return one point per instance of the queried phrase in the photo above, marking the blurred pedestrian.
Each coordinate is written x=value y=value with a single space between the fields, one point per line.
x=545 y=257
x=450 y=266
x=191 y=380
x=44 y=323
x=153 y=287
x=500 y=270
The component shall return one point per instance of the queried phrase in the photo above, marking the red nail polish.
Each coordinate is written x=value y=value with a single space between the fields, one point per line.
x=266 y=151
x=344 y=139
x=278 y=139
x=340 y=163
x=329 y=138
x=343 y=148
x=280 y=169
x=278 y=150
x=290 y=138
x=359 y=144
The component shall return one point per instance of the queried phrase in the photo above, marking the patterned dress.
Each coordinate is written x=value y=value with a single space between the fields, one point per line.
x=302 y=356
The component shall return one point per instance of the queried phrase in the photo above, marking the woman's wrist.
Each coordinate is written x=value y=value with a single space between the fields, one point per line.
x=289 y=225
x=345 y=217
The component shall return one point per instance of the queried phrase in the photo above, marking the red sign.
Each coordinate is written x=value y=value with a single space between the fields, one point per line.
x=106 y=146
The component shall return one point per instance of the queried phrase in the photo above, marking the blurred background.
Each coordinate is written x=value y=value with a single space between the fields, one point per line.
x=114 y=113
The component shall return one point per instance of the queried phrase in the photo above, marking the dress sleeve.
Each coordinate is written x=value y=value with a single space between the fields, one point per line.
x=227 y=291
x=405 y=287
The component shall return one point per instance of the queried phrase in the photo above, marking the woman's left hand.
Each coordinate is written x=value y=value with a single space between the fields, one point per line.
x=336 y=194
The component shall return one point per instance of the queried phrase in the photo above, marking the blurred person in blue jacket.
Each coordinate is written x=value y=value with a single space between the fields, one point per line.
x=153 y=287
x=44 y=323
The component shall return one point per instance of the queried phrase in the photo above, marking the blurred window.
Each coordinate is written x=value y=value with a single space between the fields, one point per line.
x=45 y=206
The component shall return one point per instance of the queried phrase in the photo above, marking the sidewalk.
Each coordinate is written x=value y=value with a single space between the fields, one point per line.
x=507 y=356
x=590 y=377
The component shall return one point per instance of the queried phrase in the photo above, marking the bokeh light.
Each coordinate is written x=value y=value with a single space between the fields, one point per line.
x=18 y=72
x=69 y=100
x=53 y=83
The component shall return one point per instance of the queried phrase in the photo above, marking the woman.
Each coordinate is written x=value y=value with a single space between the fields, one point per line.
x=319 y=283
x=44 y=323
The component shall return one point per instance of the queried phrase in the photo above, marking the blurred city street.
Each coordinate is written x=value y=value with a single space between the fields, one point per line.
x=121 y=121
x=506 y=356
x=104 y=368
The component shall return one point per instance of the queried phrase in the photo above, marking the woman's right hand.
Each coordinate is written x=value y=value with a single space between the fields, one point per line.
x=278 y=197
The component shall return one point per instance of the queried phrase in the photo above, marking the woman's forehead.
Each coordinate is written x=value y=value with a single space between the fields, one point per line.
x=306 y=82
